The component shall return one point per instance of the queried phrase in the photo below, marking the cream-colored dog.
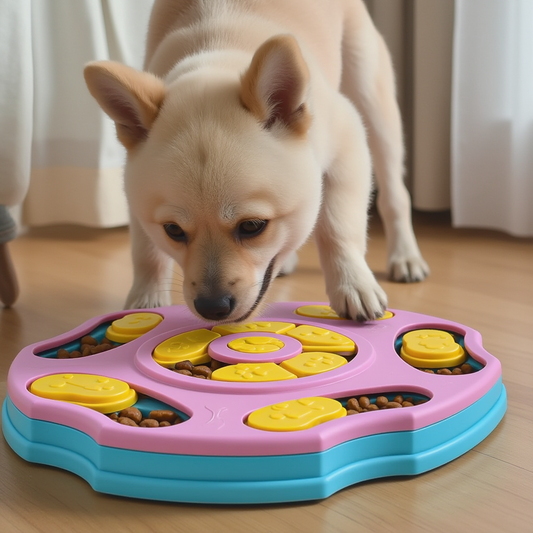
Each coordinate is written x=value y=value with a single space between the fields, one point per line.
x=253 y=124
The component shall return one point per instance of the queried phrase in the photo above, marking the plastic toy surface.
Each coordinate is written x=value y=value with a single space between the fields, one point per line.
x=295 y=405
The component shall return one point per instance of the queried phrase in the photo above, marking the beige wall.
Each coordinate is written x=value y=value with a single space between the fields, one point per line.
x=420 y=35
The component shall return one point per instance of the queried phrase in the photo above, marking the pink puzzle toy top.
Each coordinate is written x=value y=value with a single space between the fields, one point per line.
x=298 y=383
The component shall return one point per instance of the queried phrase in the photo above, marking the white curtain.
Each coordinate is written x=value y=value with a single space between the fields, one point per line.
x=492 y=115
x=52 y=133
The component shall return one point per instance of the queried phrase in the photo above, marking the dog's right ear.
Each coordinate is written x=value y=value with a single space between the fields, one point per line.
x=130 y=97
x=276 y=85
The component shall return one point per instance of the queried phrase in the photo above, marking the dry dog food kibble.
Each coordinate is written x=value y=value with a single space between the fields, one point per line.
x=382 y=401
x=88 y=346
x=127 y=421
x=204 y=371
x=149 y=423
x=163 y=415
x=363 y=404
x=131 y=416
x=133 y=413
x=465 y=368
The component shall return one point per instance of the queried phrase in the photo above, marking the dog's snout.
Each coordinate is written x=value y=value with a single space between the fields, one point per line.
x=215 y=308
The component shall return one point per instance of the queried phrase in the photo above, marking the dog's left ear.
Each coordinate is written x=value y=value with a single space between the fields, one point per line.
x=130 y=97
x=275 y=87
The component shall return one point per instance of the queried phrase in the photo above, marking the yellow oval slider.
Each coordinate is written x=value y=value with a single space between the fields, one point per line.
x=252 y=373
x=296 y=415
x=431 y=348
x=315 y=339
x=267 y=327
x=191 y=346
x=103 y=394
x=132 y=326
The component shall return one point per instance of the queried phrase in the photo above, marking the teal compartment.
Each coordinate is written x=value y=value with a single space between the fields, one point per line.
x=256 y=479
x=98 y=333
x=459 y=339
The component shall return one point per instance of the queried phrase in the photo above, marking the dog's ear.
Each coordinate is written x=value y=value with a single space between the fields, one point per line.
x=130 y=97
x=275 y=87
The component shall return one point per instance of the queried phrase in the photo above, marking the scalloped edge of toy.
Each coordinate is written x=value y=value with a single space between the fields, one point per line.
x=299 y=477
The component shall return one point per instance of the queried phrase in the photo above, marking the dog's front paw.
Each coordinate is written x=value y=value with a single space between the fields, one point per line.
x=147 y=300
x=407 y=269
x=361 y=301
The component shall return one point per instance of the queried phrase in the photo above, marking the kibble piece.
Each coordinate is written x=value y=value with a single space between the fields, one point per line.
x=149 y=423
x=86 y=350
x=126 y=421
x=184 y=365
x=215 y=365
x=467 y=368
x=382 y=401
x=184 y=372
x=75 y=354
x=101 y=348
x=364 y=402
x=393 y=405
x=353 y=405
x=89 y=340
x=407 y=404
x=444 y=372
x=114 y=416
x=202 y=370
x=63 y=354
x=428 y=370
x=372 y=407
x=398 y=399
x=105 y=340
x=457 y=371
x=133 y=413
x=164 y=424
x=352 y=412
x=163 y=415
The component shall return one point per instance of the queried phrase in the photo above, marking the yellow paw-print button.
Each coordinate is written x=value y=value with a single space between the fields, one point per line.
x=296 y=415
x=318 y=311
x=191 y=346
x=315 y=339
x=252 y=372
x=256 y=344
x=268 y=327
x=431 y=348
x=132 y=326
x=103 y=394
x=311 y=363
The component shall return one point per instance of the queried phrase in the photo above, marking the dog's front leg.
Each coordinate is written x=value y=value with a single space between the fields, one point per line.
x=152 y=274
x=342 y=225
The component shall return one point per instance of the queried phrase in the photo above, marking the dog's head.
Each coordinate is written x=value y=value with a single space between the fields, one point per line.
x=220 y=171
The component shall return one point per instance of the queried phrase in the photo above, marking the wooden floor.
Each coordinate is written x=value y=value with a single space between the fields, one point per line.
x=481 y=279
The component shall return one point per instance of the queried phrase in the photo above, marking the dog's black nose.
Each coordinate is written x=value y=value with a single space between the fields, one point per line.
x=217 y=308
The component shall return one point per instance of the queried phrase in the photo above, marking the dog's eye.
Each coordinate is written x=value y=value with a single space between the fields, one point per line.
x=251 y=228
x=175 y=232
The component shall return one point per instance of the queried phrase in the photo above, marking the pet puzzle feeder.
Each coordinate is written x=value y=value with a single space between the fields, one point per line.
x=294 y=406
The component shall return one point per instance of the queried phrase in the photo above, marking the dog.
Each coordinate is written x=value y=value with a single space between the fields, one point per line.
x=253 y=124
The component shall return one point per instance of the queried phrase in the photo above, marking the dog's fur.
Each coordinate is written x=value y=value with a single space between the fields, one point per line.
x=251 y=111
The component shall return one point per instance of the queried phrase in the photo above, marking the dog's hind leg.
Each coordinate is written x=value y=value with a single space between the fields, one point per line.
x=368 y=81
x=152 y=272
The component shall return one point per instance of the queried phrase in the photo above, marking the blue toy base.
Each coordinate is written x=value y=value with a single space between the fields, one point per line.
x=258 y=479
